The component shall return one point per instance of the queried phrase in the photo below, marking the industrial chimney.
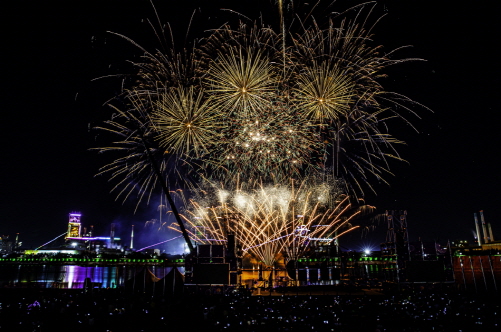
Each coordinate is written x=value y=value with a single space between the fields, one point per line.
x=486 y=237
x=478 y=230
x=491 y=235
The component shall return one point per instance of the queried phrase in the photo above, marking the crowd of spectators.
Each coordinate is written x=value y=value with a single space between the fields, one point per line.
x=118 y=310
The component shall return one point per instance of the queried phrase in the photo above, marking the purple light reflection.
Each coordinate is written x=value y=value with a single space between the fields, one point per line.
x=105 y=276
x=73 y=276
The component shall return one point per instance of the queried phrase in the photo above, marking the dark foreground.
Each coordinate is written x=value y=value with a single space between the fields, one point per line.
x=116 y=310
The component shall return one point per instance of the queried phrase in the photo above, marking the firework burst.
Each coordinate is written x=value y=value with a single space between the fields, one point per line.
x=323 y=94
x=186 y=123
x=132 y=126
x=241 y=82
x=275 y=105
x=270 y=222
x=251 y=105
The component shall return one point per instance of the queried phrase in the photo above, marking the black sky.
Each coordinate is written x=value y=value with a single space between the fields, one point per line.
x=52 y=50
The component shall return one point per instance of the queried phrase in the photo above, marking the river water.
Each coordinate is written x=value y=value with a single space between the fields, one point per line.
x=74 y=276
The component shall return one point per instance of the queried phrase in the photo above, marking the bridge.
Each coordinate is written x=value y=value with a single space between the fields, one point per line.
x=122 y=261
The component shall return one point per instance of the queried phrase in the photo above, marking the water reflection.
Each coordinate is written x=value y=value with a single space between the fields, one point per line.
x=74 y=277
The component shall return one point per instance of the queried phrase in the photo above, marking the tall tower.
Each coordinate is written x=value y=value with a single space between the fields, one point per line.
x=74 y=225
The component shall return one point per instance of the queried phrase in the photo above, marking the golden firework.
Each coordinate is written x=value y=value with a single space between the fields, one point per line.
x=241 y=82
x=187 y=123
x=323 y=94
x=252 y=102
x=273 y=221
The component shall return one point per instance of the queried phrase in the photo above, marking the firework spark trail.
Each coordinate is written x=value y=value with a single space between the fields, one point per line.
x=263 y=220
x=133 y=170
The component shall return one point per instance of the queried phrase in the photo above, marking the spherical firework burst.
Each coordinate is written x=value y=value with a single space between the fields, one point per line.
x=186 y=123
x=323 y=94
x=338 y=90
x=241 y=82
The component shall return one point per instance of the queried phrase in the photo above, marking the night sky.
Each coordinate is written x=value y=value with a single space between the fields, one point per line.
x=53 y=50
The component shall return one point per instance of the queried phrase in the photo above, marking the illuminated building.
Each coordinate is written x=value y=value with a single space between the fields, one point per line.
x=77 y=240
x=74 y=226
